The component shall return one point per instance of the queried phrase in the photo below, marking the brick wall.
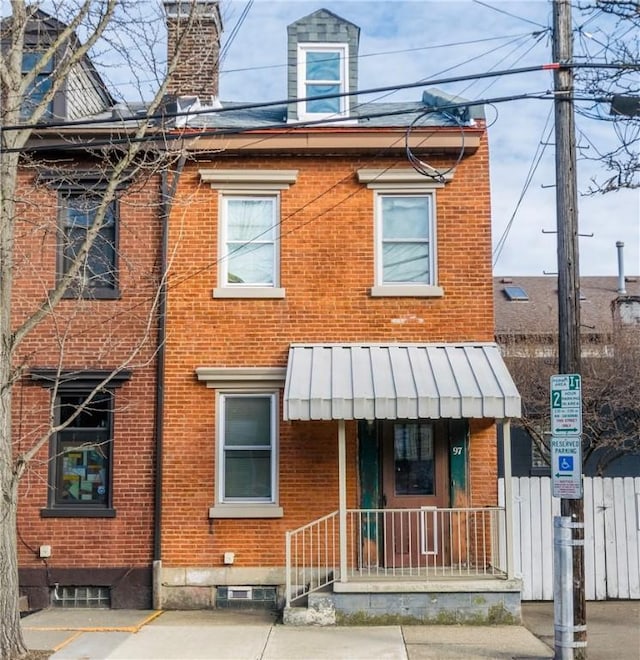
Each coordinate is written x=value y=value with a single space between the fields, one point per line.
x=327 y=268
x=83 y=334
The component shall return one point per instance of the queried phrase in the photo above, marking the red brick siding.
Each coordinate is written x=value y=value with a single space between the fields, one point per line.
x=97 y=335
x=327 y=268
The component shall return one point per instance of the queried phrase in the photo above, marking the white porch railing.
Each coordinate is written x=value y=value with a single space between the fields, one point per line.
x=404 y=544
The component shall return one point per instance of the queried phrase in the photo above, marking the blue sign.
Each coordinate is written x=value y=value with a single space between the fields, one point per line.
x=565 y=463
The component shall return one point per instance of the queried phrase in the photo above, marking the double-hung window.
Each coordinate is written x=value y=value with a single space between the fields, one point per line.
x=81 y=449
x=249 y=218
x=405 y=240
x=97 y=273
x=247 y=457
x=250 y=239
x=322 y=71
x=405 y=229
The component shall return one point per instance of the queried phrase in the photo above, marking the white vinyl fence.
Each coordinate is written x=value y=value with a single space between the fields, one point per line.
x=612 y=536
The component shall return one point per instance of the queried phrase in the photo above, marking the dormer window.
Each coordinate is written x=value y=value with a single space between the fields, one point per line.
x=39 y=87
x=323 y=61
x=322 y=71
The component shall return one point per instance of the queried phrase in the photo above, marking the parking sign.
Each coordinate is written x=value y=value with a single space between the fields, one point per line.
x=566 y=467
x=566 y=404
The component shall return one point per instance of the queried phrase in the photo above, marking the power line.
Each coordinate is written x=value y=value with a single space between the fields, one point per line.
x=287 y=101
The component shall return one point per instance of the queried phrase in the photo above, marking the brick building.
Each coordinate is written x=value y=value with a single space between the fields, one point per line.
x=328 y=349
x=85 y=385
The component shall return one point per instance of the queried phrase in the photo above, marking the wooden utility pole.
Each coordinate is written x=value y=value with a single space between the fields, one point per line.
x=568 y=274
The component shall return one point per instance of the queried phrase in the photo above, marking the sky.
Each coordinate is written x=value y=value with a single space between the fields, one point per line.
x=408 y=41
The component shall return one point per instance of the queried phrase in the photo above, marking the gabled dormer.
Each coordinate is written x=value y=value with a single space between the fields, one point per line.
x=82 y=92
x=322 y=60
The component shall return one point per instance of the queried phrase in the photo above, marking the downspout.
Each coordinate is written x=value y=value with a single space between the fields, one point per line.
x=167 y=193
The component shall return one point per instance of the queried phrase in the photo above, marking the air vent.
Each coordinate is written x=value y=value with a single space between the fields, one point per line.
x=246 y=597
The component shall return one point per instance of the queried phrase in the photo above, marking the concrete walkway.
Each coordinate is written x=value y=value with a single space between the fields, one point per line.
x=613 y=630
x=224 y=635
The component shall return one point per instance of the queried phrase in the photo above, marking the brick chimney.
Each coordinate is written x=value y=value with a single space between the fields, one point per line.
x=193 y=29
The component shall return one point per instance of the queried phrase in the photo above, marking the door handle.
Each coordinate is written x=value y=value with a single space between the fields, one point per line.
x=384 y=500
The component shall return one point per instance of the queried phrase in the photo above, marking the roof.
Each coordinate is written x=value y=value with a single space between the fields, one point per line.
x=539 y=314
x=398 y=381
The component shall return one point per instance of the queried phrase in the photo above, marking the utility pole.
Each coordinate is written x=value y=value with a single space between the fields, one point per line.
x=568 y=276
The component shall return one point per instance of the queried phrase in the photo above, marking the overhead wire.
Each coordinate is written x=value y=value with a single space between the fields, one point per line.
x=535 y=163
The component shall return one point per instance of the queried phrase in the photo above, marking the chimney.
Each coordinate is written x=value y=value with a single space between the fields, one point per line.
x=194 y=28
x=621 y=285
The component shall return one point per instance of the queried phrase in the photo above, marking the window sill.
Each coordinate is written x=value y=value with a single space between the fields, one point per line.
x=249 y=292
x=77 y=512
x=407 y=290
x=246 y=511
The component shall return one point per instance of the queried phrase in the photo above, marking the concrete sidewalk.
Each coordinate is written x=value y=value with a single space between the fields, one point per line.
x=613 y=627
x=250 y=635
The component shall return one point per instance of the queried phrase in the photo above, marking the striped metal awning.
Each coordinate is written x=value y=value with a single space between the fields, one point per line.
x=398 y=381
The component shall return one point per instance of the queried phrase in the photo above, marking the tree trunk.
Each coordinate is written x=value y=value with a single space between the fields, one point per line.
x=11 y=641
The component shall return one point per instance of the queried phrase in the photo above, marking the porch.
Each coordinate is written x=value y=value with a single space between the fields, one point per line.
x=401 y=565
x=416 y=549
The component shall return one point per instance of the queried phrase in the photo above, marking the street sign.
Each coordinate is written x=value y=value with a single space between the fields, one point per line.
x=566 y=404
x=566 y=467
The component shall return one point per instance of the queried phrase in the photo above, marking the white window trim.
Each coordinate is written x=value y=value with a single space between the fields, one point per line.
x=405 y=181
x=303 y=49
x=252 y=289
x=248 y=182
x=380 y=288
x=246 y=508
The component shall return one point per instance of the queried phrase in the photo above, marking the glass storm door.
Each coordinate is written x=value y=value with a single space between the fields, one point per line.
x=415 y=483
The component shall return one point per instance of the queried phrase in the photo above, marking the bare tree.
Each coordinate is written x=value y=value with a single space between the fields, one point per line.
x=33 y=142
x=609 y=40
x=610 y=382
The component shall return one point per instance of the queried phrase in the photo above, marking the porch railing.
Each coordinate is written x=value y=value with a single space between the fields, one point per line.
x=400 y=544
x=312 y=556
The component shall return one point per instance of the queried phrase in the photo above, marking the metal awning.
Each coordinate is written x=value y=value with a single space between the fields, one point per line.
x=398 y=381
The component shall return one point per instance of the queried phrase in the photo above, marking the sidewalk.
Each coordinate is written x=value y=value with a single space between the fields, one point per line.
x=226 y=635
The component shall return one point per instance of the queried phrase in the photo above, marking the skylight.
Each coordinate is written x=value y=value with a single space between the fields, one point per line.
x=515 y=293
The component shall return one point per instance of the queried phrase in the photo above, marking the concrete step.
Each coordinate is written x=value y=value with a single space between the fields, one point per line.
x=320 y=611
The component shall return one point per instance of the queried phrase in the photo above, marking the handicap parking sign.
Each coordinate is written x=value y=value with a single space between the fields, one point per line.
x=565 y=463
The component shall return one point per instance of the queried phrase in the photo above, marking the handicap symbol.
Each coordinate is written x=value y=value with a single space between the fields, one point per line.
x=565 y=463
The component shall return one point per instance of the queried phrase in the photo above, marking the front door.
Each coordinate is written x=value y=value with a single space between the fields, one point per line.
x=415 y=478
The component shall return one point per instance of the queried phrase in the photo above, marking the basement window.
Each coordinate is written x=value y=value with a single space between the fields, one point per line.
x=81 y=597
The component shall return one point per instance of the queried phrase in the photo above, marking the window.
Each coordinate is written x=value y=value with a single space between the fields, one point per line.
x=80 y=465
x=322 y=70
x=97 y=274
x=249 y=230
x=250 y=237
x=247 y=444
x=80 y=469
x=246 y=464
x=39 y=87
x=405 y=237
x=405 y=231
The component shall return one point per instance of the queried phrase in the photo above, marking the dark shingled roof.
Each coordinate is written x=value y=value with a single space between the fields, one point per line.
x=539 y=315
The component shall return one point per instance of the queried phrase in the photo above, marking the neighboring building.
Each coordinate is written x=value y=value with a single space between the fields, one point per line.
x=86 y=502
x=329 y=355
x=526 y=310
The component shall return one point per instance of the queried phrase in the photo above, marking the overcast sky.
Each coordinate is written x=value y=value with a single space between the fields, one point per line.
x=407 y=41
